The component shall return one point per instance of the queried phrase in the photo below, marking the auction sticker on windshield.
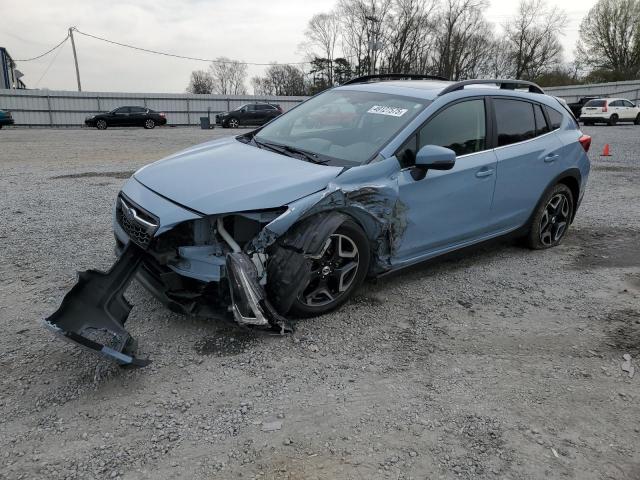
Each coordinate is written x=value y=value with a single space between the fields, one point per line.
x=391 y=111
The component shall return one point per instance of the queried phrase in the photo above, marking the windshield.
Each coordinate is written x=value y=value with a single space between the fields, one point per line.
x=347 y=125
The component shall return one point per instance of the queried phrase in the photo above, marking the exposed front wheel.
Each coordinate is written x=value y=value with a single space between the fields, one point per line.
x=101 y=124
x=233 y=123
x=552 y=218
x=637 y=120
x=149 y=124
x=336 y=273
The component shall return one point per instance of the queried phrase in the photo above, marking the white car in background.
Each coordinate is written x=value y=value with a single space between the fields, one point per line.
x=610 y=111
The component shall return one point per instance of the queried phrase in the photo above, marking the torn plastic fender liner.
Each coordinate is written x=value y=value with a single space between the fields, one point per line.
x=249 y=303
x=291 y=263
x=95 y=309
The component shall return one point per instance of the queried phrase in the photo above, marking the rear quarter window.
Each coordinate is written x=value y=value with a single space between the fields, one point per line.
x=555 y=118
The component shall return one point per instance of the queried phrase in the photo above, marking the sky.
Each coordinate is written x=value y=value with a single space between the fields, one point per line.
x=259 y=31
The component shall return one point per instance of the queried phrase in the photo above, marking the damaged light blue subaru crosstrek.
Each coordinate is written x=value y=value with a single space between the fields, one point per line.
x=366 y=178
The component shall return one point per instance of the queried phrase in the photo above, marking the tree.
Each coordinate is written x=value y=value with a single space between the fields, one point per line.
x=532 y=39
x=200 y=83
x=461 y=39
x=610 y=40
x=228 y=76
x=322 y=33
x=280 y=80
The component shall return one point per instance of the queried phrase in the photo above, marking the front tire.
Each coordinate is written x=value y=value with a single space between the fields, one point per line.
x=233 y=123
x=149 y=124
x=335 y=275
x=552 y=218
x=637 y=120
x=101 y=124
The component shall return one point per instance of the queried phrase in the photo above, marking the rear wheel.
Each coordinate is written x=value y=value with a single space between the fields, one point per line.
x=101 y=124
x=335 y=275
x=613 y=119
x=149 y=123
x=552 y=218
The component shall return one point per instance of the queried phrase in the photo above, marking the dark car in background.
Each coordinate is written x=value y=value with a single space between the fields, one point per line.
x=5 y=118
x=127 y=117
x=576 y=107
x=249 y=114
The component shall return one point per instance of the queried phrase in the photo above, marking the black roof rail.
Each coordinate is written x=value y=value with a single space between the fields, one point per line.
x=504 y=85
x=392 y=76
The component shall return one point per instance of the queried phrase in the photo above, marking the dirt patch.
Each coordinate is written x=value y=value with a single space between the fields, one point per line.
x=227 y=344
x=119 y=175
x=606 y=248
x=623 y=331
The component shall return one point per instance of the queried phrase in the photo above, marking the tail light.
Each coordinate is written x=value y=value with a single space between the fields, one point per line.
x=605 y=109
x=585 y=141
x=162 y=114
x=279 y=108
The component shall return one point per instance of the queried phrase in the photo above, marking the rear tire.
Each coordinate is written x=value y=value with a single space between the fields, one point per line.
x=149 y=124
x=335 y=276
x=613 y=119
x=101 y=124
x=552 y=218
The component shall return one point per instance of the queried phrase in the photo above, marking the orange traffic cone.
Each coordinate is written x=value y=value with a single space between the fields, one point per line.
x=605 y=152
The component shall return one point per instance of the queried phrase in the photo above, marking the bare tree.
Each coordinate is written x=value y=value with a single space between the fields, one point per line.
x=610 y=38
x=364 y=32
x=228 y=76
x=409 y=35
x=322 y=33
x=460 y=39
x=280 y=80
x=200 y=83
x=533 y=38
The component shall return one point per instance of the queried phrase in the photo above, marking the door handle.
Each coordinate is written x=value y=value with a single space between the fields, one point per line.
x=484 y=173
x=551 y=158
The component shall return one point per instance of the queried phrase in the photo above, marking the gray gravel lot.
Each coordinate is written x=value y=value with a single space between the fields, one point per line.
x=498 y=362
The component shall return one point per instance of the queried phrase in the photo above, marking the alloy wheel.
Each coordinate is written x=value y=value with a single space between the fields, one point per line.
x=149 y=123
x=101 y=124
x=233 y=123
x=555 y=219
x=332 y=272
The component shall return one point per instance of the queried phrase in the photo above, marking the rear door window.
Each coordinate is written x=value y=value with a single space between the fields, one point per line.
x=460 y=127
x=515 y=121
x=541 y=122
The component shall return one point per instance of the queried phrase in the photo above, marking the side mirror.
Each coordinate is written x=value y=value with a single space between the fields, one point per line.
x=433 y=157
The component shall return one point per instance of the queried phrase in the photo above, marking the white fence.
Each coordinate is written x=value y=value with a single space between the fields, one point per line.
x=48 y=108
x=629 y=90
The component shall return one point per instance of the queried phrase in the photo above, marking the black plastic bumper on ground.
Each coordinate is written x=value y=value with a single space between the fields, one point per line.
x=94 y=311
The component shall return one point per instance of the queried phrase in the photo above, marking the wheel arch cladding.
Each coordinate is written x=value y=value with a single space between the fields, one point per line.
x=571 y=180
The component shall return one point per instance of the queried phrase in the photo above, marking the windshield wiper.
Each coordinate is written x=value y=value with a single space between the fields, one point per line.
x=288 y=151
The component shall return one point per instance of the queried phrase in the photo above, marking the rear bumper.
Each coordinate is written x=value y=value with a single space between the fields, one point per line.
x=6 y=121
x=589 y=118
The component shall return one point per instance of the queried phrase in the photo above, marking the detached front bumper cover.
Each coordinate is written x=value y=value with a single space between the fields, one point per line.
x=94 y=311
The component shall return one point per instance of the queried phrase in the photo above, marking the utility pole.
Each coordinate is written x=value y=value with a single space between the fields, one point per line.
x=75 y=57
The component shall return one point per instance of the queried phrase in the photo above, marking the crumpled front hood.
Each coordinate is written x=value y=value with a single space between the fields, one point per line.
x=228 y=176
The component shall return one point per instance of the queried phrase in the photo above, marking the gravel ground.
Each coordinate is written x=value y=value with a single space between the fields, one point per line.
x=498 y=362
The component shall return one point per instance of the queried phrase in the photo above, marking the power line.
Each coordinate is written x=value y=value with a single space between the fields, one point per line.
x=45 y=53
x=53 y=59
x=208 y=60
